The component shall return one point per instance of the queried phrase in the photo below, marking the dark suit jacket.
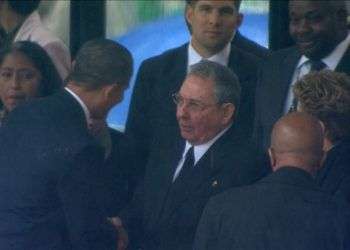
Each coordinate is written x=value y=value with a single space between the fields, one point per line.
x=335 y=173
x=272 y=90
x=120 y=173
x=50 y=179
x=159 y=77
x=169 y=212
x=286 y=210
x=250 y=46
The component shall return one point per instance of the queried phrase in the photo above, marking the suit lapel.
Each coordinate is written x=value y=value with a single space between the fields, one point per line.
x=344 y=64
x=173 y=75
x=169 y=163
x=179 y=70
x=233 y=64
x=201 y=180
x=170 y=80
x=280 y=89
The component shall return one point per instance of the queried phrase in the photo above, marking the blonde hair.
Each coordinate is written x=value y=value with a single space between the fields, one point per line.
x=326 y=95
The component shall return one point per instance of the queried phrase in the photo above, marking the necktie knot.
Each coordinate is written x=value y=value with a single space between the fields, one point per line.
x=317 y=65
x=189 y=158
x=188 y=164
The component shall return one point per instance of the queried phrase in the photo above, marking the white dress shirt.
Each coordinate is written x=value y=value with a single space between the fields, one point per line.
x=304 y=66
x=222 y=57
x=199 y=151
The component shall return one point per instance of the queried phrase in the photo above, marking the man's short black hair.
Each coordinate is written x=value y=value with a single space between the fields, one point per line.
x=237 y=3
x=101 y=62
x=24 y=7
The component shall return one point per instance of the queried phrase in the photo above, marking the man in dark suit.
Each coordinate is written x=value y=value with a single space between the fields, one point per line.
x=119 y=159
x=184 y=171
x=285 y=210
x=322 y=41
x=51 y=187
x=159 y=77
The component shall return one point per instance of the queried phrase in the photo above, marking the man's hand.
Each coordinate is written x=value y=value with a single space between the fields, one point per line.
x=123 y=238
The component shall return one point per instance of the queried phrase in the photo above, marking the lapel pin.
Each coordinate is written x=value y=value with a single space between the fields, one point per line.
x=215 y=183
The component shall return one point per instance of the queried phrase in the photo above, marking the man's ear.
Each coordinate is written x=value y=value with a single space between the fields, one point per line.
x=113 y=93
x=228 y=110
x=272 y=157
x=189 y=9
x=240 y=18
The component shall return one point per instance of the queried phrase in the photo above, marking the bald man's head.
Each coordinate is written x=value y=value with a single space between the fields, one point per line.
x=297 y=141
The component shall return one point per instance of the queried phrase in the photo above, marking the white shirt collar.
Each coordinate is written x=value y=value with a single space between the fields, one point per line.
x=222 y=57
x=200 y=150
x=82 y=104
x=333 y=58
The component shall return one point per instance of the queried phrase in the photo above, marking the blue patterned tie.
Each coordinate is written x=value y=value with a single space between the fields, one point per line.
x=316 y=65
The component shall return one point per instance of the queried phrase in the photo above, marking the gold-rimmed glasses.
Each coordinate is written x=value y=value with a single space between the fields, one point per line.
x=191 y=104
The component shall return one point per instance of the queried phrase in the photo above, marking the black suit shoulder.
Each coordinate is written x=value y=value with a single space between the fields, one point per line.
x=57 y=115
x=245 y=66
x=334 y=175
x=275 y=213
x=278 y=57
x=165 y=61
x=250 y=46
x=244 y=58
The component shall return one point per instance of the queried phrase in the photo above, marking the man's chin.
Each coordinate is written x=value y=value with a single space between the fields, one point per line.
x=314 y=52
x=215 y=45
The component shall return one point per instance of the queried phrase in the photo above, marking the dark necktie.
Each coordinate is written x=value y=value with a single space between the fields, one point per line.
x=316 y=65
x=187 y=167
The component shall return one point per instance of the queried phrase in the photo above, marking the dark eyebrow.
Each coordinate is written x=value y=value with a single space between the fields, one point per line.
x=227 y=8
x=205 y=6
x=314 y=13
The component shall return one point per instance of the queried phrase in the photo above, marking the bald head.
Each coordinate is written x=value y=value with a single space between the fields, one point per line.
x=297 y=141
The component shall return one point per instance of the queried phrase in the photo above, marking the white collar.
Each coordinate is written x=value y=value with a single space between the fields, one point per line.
x=221 y=57
x=200 y=150
x=333 y=58
x=82 y=104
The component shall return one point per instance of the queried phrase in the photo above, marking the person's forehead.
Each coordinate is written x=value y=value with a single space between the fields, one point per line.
x=18 y=58
x=216 y=3
x=197 y=87
x=306 y=6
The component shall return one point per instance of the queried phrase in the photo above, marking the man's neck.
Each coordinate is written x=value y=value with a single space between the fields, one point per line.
x=88 y=98
x=295 y=162
x=203 y=52
x=340 y=38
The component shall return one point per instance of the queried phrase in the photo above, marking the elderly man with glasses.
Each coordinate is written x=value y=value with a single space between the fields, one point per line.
x=185 y=170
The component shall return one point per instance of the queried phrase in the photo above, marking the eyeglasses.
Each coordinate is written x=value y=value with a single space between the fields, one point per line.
x=191 y=104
